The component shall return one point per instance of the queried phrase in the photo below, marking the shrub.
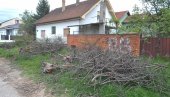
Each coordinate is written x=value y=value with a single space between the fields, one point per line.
x=42 y=47
x=23 y=40
x=7 y=45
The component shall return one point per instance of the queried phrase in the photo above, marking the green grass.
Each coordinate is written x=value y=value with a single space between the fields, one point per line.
x=9 y=53
x=141 y=92
x=108 y=90
x=64 y=84
x=31 y=67
x=166 y=62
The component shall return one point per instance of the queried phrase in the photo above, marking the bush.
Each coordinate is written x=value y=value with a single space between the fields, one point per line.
x=42 y=47
x=23 y=40
x=7 y=45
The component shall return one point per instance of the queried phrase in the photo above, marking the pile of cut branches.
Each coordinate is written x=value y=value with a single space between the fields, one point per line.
x=93 y=67
x=42 y=47
x=99 y=67
x=115 y=66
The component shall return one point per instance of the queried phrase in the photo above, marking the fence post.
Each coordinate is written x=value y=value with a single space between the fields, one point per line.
x=141 y=45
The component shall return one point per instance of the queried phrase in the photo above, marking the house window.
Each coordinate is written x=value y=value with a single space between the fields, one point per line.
x=53 y=29
x=42 y=33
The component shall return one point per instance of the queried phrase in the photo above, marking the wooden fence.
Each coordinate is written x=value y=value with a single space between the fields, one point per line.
x=155 y=46
x=102 y=40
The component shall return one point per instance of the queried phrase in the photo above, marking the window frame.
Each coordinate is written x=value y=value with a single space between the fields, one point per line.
x=53 y=30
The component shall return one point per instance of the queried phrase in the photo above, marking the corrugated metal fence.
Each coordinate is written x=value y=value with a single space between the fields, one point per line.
x=155 y=46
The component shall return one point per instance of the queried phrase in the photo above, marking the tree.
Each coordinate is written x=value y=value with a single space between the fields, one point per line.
x=136 y=9
x=28 y=23
x=164 y=22
x=160 y=13
x=42 y=9
x=153 y=20
x=29 y=19
x=154 y=6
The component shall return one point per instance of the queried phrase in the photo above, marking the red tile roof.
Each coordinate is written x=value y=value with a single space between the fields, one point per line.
x=128 y=19
x=71 y=12
x=120 y=14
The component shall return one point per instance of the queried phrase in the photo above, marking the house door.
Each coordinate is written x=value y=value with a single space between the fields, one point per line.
x=42 y=33
x=8 y=32
x=66 y=32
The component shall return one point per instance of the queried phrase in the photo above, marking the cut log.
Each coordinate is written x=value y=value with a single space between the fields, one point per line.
x=47 y=67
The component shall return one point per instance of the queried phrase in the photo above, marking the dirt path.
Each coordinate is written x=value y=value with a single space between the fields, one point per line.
x=12 y=84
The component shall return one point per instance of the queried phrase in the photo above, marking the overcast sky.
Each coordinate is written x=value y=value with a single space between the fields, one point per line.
x=12 y=8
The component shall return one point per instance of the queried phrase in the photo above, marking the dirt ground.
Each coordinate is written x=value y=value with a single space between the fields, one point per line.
x=12 y=84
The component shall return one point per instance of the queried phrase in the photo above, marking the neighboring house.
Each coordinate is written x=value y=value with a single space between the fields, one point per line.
x=9 y=29
x=87 y=17
x=122 y=16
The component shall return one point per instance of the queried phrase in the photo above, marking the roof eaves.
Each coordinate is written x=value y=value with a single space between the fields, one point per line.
x=7 y=20
x=58 y=21
x=110 y=8
x=14 y=26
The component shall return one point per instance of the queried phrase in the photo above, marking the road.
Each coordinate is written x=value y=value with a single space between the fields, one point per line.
x=12 y=84
x=7 y=90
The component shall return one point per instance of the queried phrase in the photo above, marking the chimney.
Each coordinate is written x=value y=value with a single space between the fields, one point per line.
x=77 y=2
x=63 y=5
x=102 y=17
x=102 y=11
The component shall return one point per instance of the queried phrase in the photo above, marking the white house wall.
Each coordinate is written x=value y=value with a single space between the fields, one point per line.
x=14 y=32
x=91 y=17
x=59 y=29
x=74 y=30
x=109 y=17
x=2 y=32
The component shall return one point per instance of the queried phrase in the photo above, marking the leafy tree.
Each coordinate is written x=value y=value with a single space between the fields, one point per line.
x=154 y=6
x=42 y=9
x=153 y=20
x=29 y=19
x=164 y=22
x=28 y=23
x=136 y=9
x=160 y=15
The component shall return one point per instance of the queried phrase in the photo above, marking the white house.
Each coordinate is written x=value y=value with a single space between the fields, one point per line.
x=9 y=29
x=87 y=17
